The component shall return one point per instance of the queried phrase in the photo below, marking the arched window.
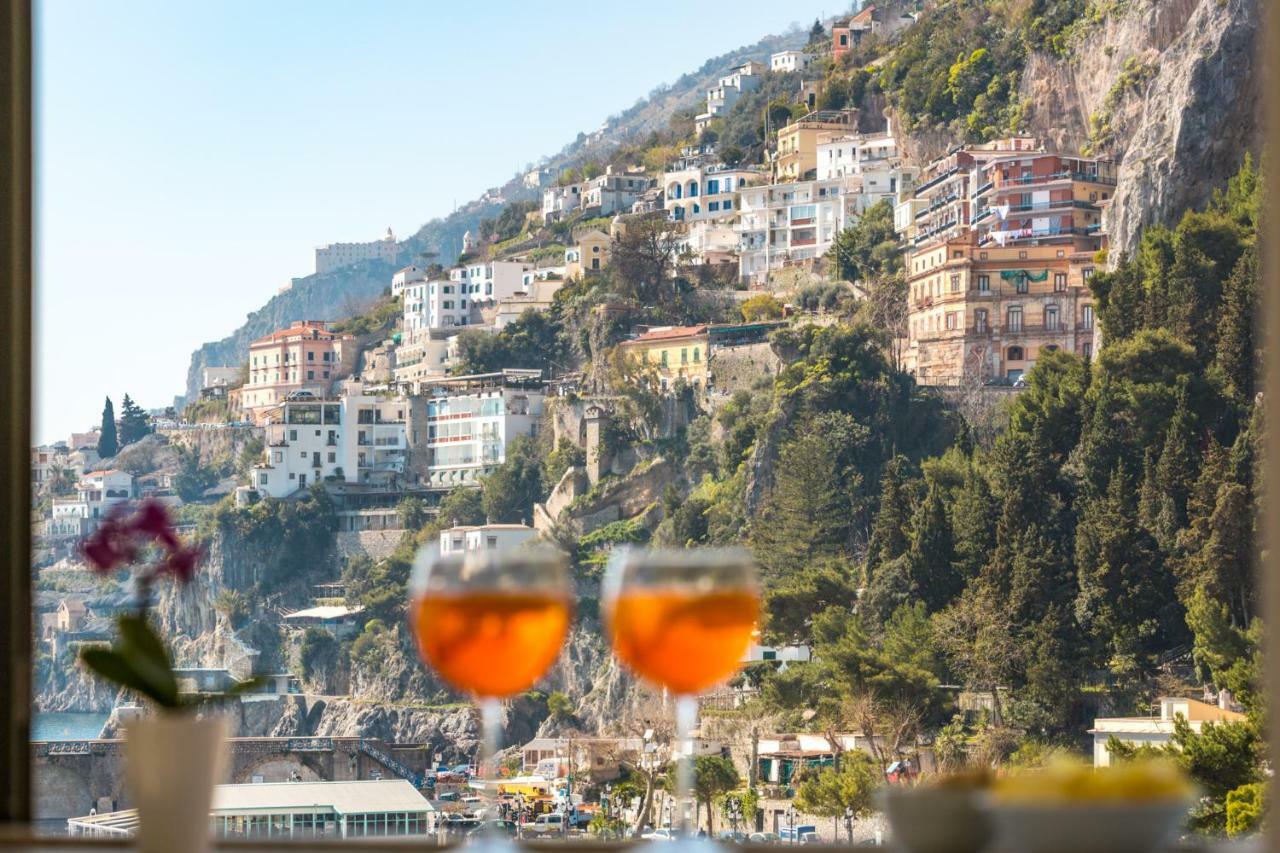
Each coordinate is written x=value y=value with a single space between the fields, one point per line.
x=675 y=191
x=693 y=189
x=1014 y=354
x=696 y=208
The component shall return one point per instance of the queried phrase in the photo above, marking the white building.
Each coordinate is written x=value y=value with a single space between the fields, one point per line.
x=559 y=202
x=844 y=154
x=337 y=255
x=490 y=281
x=439 y=304
x=280 y=809
x=484 y=537
x=786 y=224
x=790 y=60
x=613 y=193
x=212 y=377
x=796 y=653
x=357 y=437
x=405 y=277
x=705 y=191
x=422 y=354
x=468 y=421
x=721 y=97
x=1158 y=731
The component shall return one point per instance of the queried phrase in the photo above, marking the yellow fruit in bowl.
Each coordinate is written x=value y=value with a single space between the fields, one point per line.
x=1139 y=781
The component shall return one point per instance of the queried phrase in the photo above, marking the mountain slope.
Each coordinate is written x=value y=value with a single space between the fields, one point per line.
x=333 y=296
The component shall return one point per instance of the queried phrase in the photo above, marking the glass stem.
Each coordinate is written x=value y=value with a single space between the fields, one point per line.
x=490 y=734
x=686 y=720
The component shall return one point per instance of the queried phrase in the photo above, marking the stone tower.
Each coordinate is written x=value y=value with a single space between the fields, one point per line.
x=597 y=456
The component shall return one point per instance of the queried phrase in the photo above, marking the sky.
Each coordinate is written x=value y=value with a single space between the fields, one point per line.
x=191 y=155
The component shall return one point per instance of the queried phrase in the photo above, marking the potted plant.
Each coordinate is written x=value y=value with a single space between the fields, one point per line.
x=175 y=755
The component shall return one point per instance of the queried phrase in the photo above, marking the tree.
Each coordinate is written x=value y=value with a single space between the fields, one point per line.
x=318 y=655
x=713 y=775
x=412 y=512
x=869 y=248
x=191 y=479
x=889 y=532
x=108 y=442
x=461 y=506
x=643 y=259
x=1237 y=357
x=559 y=705
x=1246 y=807
x=134 y=422
x=516 y=485
x=829 y=791
x=817 y=33
x=762 y=306
x=792 y=601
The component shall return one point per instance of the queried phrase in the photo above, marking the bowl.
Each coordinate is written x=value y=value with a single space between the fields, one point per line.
x=1113 y=826
x=928 y=819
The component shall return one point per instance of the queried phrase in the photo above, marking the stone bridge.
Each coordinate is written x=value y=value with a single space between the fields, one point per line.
x=71 y=777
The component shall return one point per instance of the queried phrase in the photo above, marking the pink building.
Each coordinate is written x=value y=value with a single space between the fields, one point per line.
x=307 y=356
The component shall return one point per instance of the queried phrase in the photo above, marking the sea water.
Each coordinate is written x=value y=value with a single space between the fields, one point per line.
x=67 y=726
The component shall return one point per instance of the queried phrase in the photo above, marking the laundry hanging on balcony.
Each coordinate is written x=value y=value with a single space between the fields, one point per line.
x=1002 y=210
x=1014 y=275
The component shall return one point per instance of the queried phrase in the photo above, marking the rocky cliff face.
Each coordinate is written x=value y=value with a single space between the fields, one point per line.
x=1178 y=82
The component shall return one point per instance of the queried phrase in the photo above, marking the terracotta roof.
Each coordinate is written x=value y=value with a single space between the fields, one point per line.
x=672 y=333
x=296 y=331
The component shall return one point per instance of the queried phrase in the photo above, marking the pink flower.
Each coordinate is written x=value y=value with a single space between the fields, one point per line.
x=111 y=545
x=182 y=562
x=153 y=520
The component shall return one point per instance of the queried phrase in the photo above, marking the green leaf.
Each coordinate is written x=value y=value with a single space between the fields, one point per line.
x=246 y=686
x=145 y=651
x=114 y=667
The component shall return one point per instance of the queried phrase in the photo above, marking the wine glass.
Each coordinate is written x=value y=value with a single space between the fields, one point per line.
x=681 y=620
x=490 y=623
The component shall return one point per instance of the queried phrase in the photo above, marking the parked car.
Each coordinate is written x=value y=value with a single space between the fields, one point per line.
x=796 y=834
x=450 y=797
x=547 y=824
x=731 y=836
x=762 y=838
x=666 y=833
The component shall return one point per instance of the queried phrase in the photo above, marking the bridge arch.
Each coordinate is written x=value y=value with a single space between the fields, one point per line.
x=280 y=767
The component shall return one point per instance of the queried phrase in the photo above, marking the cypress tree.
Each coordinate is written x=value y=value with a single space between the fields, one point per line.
x=1176 y=472
x=1237 y=354
x=973 y=515
x=108 y=443
x=1149 y=495
x=134 y=423
x=932 y=554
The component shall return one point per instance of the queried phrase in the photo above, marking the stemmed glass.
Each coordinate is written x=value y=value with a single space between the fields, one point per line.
x=490 y=623
x=681 y=620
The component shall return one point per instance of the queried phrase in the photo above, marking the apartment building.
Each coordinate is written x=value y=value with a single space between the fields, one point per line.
x=675 y=352
x=538 y=296
x=721 y=97
x=305 y=356
x=703 y=191
x=796 y=155
x=97 y=493
x=421 y=355
x=407 y=277
x=1002 y=242
x=789 y=223
x=463 y=424
x=612 y=193
x=843 y=154
x=355 y=436
x=439 y=304
x=560 y=201
x=788 y=61
x=46 y=459
x=490 y=281
x=338 y=255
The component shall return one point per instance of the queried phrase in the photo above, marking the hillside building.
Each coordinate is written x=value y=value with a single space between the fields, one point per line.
x=307 y=356
x=675 y=352
x=463 y=424
x=1001 y=242
x=796 y=156
x=612 y=193
x=789 y=61
x=789 y=224
x=705 y=191
x=356 y=437
x=338 y=255
x=589 y=254
x=746 y=77
x=1158 y=731
x=406 y=277
x=560 y=201
x=484 y=537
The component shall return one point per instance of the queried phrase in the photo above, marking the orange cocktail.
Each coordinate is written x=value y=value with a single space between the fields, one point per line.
x=683 y=639
x=491 y=643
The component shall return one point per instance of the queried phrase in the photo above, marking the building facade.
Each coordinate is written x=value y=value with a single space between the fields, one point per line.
x=721 y=97
x=613 y=193
x=1002 y=242
x=675 y=352
x=788 y=224
x=796 y=155
x=560 y=201
x=484 y=537
x=789 y=61
x=463 y=424
x=705 y=191
x=305 y=356
x=589 y=254
x=356 y=437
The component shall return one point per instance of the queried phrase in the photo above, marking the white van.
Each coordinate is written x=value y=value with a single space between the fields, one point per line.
x=547 y=824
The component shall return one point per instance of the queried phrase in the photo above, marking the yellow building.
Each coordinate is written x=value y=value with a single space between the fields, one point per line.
x=797 y=153
x=676 y=352
x=589 y=255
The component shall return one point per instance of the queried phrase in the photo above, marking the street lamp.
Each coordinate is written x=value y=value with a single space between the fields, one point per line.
x=791 y=822
x=735 y=814
x=848 y=821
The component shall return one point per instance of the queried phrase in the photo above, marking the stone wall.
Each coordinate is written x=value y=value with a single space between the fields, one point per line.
x=376 y=544
x=739 y=367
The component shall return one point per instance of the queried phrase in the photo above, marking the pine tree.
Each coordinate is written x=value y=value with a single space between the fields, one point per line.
x=1149 y=498
x=889 y=530
x=1237 y=355
x=134 y=422
x=973 y=515
x=1104 y=441
x=817 y=33
x=1124 y=600
x=806 y=516
x=108 y=443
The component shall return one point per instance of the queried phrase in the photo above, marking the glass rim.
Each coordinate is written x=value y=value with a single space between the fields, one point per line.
x=512 y=568
x=689 y=559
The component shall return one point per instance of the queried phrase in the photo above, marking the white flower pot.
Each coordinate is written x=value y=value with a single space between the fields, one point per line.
x=172 y=762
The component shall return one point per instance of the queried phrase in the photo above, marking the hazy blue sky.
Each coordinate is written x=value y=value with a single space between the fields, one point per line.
x=190 y=155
